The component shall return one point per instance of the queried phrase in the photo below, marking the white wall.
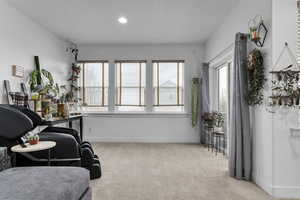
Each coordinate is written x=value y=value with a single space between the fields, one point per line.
x=286 y=149
x=20 y=40
x=237 y=21
x=139 y=127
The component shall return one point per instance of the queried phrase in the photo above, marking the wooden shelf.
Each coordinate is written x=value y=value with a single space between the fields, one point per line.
x=287 y=71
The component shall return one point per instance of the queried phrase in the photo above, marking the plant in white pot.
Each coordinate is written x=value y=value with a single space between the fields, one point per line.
x=219 y=121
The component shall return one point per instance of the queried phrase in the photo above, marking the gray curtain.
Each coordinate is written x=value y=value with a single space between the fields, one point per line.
x=240 y=161
x=204 y=99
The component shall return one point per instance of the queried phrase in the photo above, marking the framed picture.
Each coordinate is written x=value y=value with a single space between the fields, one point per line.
x=18 y=71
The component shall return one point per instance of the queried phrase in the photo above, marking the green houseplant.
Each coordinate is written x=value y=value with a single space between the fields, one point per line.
x=218 y=121
x=256 y=76
x=214 y=119
x=208 y=119
x=42 y=82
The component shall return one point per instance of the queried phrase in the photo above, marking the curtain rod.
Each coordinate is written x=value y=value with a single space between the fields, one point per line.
x=222 y=52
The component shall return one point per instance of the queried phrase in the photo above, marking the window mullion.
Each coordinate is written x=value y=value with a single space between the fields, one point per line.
x=103 y=84
x=140 y=84
x=157 y=90
x=120 y=85
x=112 y=87
x=177 y=84
x=149 y=92
x=83 y=84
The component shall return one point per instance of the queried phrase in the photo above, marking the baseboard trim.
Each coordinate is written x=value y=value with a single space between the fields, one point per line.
x=285 y=192
x=263 y=184
x=191 y=140
x=290 y=192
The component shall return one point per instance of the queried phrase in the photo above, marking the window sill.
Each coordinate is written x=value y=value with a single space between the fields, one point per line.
x=139 y=114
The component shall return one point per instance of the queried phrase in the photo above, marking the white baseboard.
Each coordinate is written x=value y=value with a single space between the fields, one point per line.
x=191 y=140
x=285 y=192
x=263 y=184
x=289 y=192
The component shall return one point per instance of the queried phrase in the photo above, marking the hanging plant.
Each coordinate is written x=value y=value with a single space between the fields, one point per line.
x=256 y=75
x=71 y=95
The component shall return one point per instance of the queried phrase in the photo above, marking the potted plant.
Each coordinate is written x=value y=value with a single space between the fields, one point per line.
x=295 y=97
x=33 y=139
x=274 y=100
x=219 y=121
x=208 y=119
x=41 y=81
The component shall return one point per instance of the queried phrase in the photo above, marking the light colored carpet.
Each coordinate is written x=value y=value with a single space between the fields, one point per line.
x=167 y=172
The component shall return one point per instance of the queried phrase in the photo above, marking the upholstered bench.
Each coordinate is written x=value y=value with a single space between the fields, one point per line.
x=45 y=183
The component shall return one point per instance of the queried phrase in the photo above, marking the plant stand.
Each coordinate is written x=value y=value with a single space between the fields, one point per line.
x=216 y=138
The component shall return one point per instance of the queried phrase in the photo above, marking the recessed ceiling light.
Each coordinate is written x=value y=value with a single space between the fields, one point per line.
x=122 y=20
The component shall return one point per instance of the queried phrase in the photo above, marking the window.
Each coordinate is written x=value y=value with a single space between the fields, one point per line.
x=223 y=92
x=168 y=85
x=222 y=98
x=94 y=83
x=128 y=90
x=130 y=82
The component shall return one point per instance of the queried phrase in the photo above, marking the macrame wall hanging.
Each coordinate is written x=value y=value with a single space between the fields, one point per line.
x=285 y=81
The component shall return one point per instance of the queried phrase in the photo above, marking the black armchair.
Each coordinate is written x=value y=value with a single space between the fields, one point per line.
x=69 y=150
x=14 y=125
x=18 y=121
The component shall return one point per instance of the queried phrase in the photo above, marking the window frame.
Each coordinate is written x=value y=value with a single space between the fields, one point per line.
x=214 y=80
x=298 y=31
x=119 y=87
x=178 y=104
x=82 y=86
x=112 y=106
x=224 y=65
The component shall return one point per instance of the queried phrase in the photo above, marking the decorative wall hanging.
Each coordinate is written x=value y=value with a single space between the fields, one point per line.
x=195 y=100
x=256 y=75
x=258 y=31
x=18 y=71
x=286 y=82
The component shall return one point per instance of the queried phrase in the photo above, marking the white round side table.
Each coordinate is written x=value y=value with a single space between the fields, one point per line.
x=41 y=145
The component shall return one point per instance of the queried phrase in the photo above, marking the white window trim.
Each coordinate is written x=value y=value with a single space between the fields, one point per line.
x=213 y=79
x=149 y=93
x=226 y=64
x=112 y=87
x=82 y=74
x=298 y=31
x=224 y=59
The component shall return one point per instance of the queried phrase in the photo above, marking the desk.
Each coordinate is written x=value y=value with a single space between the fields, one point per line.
x=69 y=120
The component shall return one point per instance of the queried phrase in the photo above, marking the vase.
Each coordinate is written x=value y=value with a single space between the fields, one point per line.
x=210 y=124
x=218 y=129
x=46 y=107
x=61 y=110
